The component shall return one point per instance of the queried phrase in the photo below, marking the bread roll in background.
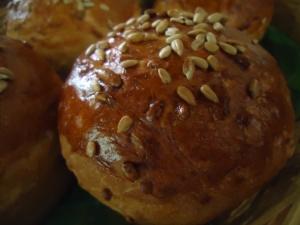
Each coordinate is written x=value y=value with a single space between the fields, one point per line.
x=33 y=176
x=61 y=30
x=174 y=121
x=252 y=16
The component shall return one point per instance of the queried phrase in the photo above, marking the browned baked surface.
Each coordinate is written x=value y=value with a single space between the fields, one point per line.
x=252 y=16
x=179 y=146
x=29 y=156
x=60 y=31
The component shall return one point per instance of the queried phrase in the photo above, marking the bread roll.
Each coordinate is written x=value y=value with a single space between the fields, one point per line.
x=32 y=174
x=252 y=17
x=61 y=30
x=175 y=123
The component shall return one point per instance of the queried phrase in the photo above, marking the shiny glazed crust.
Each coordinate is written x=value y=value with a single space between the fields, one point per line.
x=252 y=16
x=61 y=31
x=29 y=156
x=177 y=149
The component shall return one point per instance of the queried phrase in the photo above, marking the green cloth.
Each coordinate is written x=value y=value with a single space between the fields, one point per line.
x=79 y=208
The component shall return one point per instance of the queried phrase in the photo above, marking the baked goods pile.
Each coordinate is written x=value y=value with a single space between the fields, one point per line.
x=176 y=116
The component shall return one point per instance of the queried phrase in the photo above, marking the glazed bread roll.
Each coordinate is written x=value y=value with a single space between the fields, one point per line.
x=174 y=122
x=60 y=30
x=252 y=17
x=32 y=174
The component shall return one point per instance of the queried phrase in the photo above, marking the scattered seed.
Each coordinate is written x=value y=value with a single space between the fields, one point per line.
x=124 y=124
x=177 y=46
x=145 y=26
x=241 y=48
x=211 y=37
x=185 y=94
x=90 y=50
x=196 y=44
x=196 y=31
x=188 y=68
x=102 y=45
x=201 y=37
x=150 y=37
x=3 y=85
x=173 y=37
x=215 y=17
x=155 y=23
x=171 y=31
x=186 y=14
x=218 y=26
x=173 y=13
x=91 y=148
x=100 y=54
x=164 y=76
x=111 y=34
x=211 y=47
x=123 y=47
x=129 y=63
x=213 y=62
x=119 y=27
x=200 y=10
x=143 y=18
x=188 y=22
x=199 y=62
x=229 y=49
x=131 y=21
x=135 y=37
x=199 y=17
x=209 y=93
x=201 y=26
x=254 y=88
x=180 y=20
x=162 y=26
x=165 y=52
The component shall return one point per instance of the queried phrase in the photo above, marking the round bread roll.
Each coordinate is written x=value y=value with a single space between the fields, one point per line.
x=61 y=30
x=32 y=173
x=252 y=17
x=173 y=123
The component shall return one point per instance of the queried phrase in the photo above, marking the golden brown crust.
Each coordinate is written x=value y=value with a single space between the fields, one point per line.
x=61 y=31
x=165 y=155
x=253 y=16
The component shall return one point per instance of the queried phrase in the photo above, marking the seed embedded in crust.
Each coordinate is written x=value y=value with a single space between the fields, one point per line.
x=91 y=148
x=199 y=17
x=119 y=27
x=5 y=74
x=130 y=21
x=150 y=37
x=178 y=20
x=3 y=85
x=101 y=54
x=173 y=37
x=129 y=63
x=241 y=48
x=211 y=47
x=143 y=18
x=199 y=62
x=162 y=26
x=188 y=22
x=102 y=45
x=164 y=76
x=203 y=26
x=218 y=26
x=165 y=52
x=185 y=94
x=123 y=47
x=111 y=34
x=135 y=37
x=102 y=97
x=173 y=13
x=155 y=23
x=215 y=17
x=209 y=93
x=254 y=88
x=211 y=37
x=171 y=31
x=177 y=46
x=229 y=49
x=124 y=124
x=213 y=62
x=194 y=32
x=188 y=68
x=196 y=44
x=90 y=50
x=145 y=26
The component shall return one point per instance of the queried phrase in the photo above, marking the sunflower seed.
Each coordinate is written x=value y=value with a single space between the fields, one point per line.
x=229 y=49
x=124 y=124
x=111 y=34
x=90 y=50
x=177 y=46
x=188 y=68
x=218 y=26
x=135 y=37
x=173 y=13
x=173 y=37
x=241 y=48
x=180 y=20
x=196 y=31
x=164 y=76
x=211 y=47
x=165 y=52
x=254 y=88
x=203 y=26
x=145 y=26
x=213 y=62
x=119 y=27
x=186 y=14
x=200 y=37
x=127 y=32
x=200 y=10
x=5 y=74
x=196 y=44
x=209 y=93
x=211 y=37
x=215 y=17
x=150 y=37
x=102 y=45
x=143 y=18
x=171 y=31
x=100 y=54
x=162 y=26
x=131 y=21
x=91 y=148
x=188 y=22
x=3 y=85
x=123 y=47
x=155 y=23
x=129 y=63
x=101 y=97
x=185 y=94
x=199 y=62
x=199 y=17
